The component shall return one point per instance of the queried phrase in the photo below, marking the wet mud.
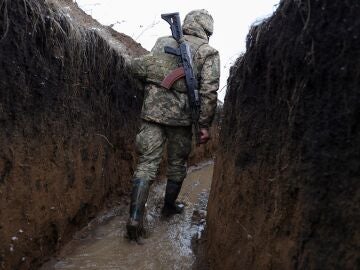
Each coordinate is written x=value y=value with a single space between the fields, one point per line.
x=102 y=243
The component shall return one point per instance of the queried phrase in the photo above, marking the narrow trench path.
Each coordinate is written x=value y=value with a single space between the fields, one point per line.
x=102 y=245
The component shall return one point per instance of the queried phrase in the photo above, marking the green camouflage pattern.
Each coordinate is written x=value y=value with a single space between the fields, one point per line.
x=198 y=23
x=150 y=143
x=171 y=107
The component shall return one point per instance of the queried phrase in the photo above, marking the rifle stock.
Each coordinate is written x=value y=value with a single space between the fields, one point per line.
x=175 y=24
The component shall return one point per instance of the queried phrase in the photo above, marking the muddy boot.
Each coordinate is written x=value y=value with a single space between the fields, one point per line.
x=171 y=207
x=139 y=195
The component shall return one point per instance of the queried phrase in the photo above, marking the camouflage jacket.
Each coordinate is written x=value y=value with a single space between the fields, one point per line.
x=171 y=107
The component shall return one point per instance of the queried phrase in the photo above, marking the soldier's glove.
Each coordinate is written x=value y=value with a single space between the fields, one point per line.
x=204 y=135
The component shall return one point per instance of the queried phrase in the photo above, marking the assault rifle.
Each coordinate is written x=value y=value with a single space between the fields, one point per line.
x=183 y=52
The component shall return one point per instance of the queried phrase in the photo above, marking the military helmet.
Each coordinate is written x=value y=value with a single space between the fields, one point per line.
x=199 y=19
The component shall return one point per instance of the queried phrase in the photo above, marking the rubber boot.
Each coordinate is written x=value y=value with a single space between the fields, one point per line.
x=139 y=195
x=171 y=207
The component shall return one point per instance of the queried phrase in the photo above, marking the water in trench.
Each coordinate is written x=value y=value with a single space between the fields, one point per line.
x=102 y=245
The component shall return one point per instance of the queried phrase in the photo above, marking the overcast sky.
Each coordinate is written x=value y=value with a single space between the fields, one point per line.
x=141 y=20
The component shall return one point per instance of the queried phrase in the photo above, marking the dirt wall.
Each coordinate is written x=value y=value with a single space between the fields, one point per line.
x=68 y=116
x=286 y=191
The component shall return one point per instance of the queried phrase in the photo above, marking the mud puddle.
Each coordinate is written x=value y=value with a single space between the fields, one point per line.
x=102 y=245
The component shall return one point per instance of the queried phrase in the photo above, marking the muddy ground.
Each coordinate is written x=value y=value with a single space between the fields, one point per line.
x=170 y=242
x=285 y=193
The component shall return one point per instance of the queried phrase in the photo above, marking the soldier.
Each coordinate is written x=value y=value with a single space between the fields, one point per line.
x=166 y=115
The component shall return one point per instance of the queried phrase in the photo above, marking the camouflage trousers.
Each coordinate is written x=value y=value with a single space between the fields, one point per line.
x=150 y=143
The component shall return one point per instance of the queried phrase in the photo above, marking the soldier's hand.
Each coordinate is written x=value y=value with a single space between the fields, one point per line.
x=204 y=135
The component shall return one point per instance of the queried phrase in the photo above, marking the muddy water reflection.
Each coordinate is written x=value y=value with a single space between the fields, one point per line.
x=102 y=244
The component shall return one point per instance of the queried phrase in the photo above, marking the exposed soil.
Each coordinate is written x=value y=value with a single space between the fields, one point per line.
x=69 y=112
x=68 y=116
x=285 y=193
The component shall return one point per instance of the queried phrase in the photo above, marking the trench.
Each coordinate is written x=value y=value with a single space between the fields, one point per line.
x=285 y=191
x=170 y=243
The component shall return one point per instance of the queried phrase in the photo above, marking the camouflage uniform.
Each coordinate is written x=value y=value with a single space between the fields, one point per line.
x=150 y=143
x=166 y=113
